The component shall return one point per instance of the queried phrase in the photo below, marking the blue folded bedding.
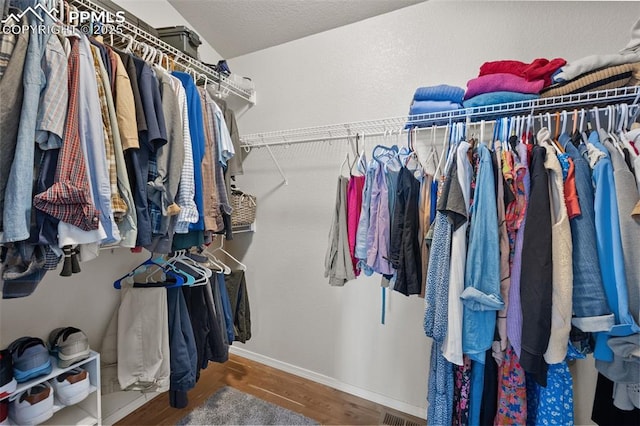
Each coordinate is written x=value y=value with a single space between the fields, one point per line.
x=442 y=92
x=493 y=98
x=426 y=107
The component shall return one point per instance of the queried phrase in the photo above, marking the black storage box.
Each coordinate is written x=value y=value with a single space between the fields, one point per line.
x=182 y=38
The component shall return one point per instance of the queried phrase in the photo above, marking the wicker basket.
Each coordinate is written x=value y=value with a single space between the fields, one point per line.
x=244 y=209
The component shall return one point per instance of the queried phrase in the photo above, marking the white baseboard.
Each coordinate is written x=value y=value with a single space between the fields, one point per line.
x=331 y=382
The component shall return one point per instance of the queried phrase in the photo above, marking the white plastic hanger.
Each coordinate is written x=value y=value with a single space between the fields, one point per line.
x=221 y=248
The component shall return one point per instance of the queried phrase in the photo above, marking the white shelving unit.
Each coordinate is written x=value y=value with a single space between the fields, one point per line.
x=87 y=412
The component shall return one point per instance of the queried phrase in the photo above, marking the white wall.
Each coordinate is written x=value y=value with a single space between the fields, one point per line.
x=361 y=71
x=364 y=71
x=85 y=300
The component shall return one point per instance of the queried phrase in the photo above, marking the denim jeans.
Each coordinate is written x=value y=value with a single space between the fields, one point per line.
x=589 y=301
x=182 y=343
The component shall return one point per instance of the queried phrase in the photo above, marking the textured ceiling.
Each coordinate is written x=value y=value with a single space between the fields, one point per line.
x=238 y=27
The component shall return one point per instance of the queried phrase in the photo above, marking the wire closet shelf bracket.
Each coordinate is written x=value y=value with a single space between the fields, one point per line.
x=126 y=28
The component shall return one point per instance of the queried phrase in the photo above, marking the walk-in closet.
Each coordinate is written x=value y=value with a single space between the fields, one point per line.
x=291 y=212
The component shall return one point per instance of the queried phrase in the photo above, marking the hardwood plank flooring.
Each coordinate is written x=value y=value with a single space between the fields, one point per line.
x=319 y=402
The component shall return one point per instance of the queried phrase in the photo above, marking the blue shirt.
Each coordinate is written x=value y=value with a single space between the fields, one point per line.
x=610 y=254
x=481 y=296
x=18 y=196
x=196 y=129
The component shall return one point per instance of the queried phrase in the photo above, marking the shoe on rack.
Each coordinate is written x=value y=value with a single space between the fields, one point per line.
x=69 y=345
x=72 y=386
x=8 y=383
x=33 y=406
x=30 y=358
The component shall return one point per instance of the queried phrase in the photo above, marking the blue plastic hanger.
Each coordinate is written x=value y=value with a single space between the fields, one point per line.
x=168 y=269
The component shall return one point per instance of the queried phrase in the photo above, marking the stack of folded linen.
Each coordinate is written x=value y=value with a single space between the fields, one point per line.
x=510 y=81
x=600 y=72
x=596 y=72
x=436 y=98
x=431 y=99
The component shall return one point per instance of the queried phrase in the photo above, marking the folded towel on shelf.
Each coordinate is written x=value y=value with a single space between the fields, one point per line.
x=539 y=69
x=443 y=92
x=426 y=107
x=501 y=82
x=606 y=78
x=591 y=63
x=495 y=98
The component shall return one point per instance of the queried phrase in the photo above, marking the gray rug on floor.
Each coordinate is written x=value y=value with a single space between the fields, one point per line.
x=229 y=406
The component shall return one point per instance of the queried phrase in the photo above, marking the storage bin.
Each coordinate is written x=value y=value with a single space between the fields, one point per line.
x=182 y=38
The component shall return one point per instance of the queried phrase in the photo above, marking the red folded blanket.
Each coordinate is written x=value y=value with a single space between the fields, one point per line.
x=539 y=69
x=501 y=83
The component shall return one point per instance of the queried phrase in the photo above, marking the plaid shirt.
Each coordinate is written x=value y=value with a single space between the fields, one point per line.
x=118 y=206
x=69 y=198
x=187 y=189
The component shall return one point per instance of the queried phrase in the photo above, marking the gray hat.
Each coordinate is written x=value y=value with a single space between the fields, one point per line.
x=69 y=345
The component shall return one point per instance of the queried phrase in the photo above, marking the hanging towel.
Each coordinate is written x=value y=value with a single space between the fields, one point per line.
x=501 y=82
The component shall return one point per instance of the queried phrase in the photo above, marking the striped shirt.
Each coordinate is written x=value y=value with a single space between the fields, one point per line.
x=187 y=189
x=118 y=206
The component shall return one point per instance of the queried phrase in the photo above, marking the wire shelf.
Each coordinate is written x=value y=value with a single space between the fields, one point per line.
x=397 y=124
x=226 y=84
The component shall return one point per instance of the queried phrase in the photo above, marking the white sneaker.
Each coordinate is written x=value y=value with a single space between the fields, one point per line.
x=33 y=406
x=72 y=387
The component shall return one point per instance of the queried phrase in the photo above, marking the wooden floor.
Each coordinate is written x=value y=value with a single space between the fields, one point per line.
x=319 y=402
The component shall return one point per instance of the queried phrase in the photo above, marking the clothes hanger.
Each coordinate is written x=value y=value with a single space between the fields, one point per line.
x=142 y=268
x=213 y=261
x=345 y=161
x=221 y=248
x=179 y=260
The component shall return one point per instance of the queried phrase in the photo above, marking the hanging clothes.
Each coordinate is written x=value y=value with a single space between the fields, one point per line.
x=481 y=296
x=610 y=251
x=452 y=346
x=561 y=252
x=354 y=209
x=589 y=301
x=337 y=265
x=536 y=287
x=404 y=252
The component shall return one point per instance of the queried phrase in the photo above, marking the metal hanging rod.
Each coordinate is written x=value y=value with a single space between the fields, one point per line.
x=399 y=124
x=226 y=85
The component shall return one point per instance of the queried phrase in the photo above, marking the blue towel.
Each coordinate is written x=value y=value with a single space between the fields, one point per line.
x=493 y=98
x=442 y=92
x=426 y=107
